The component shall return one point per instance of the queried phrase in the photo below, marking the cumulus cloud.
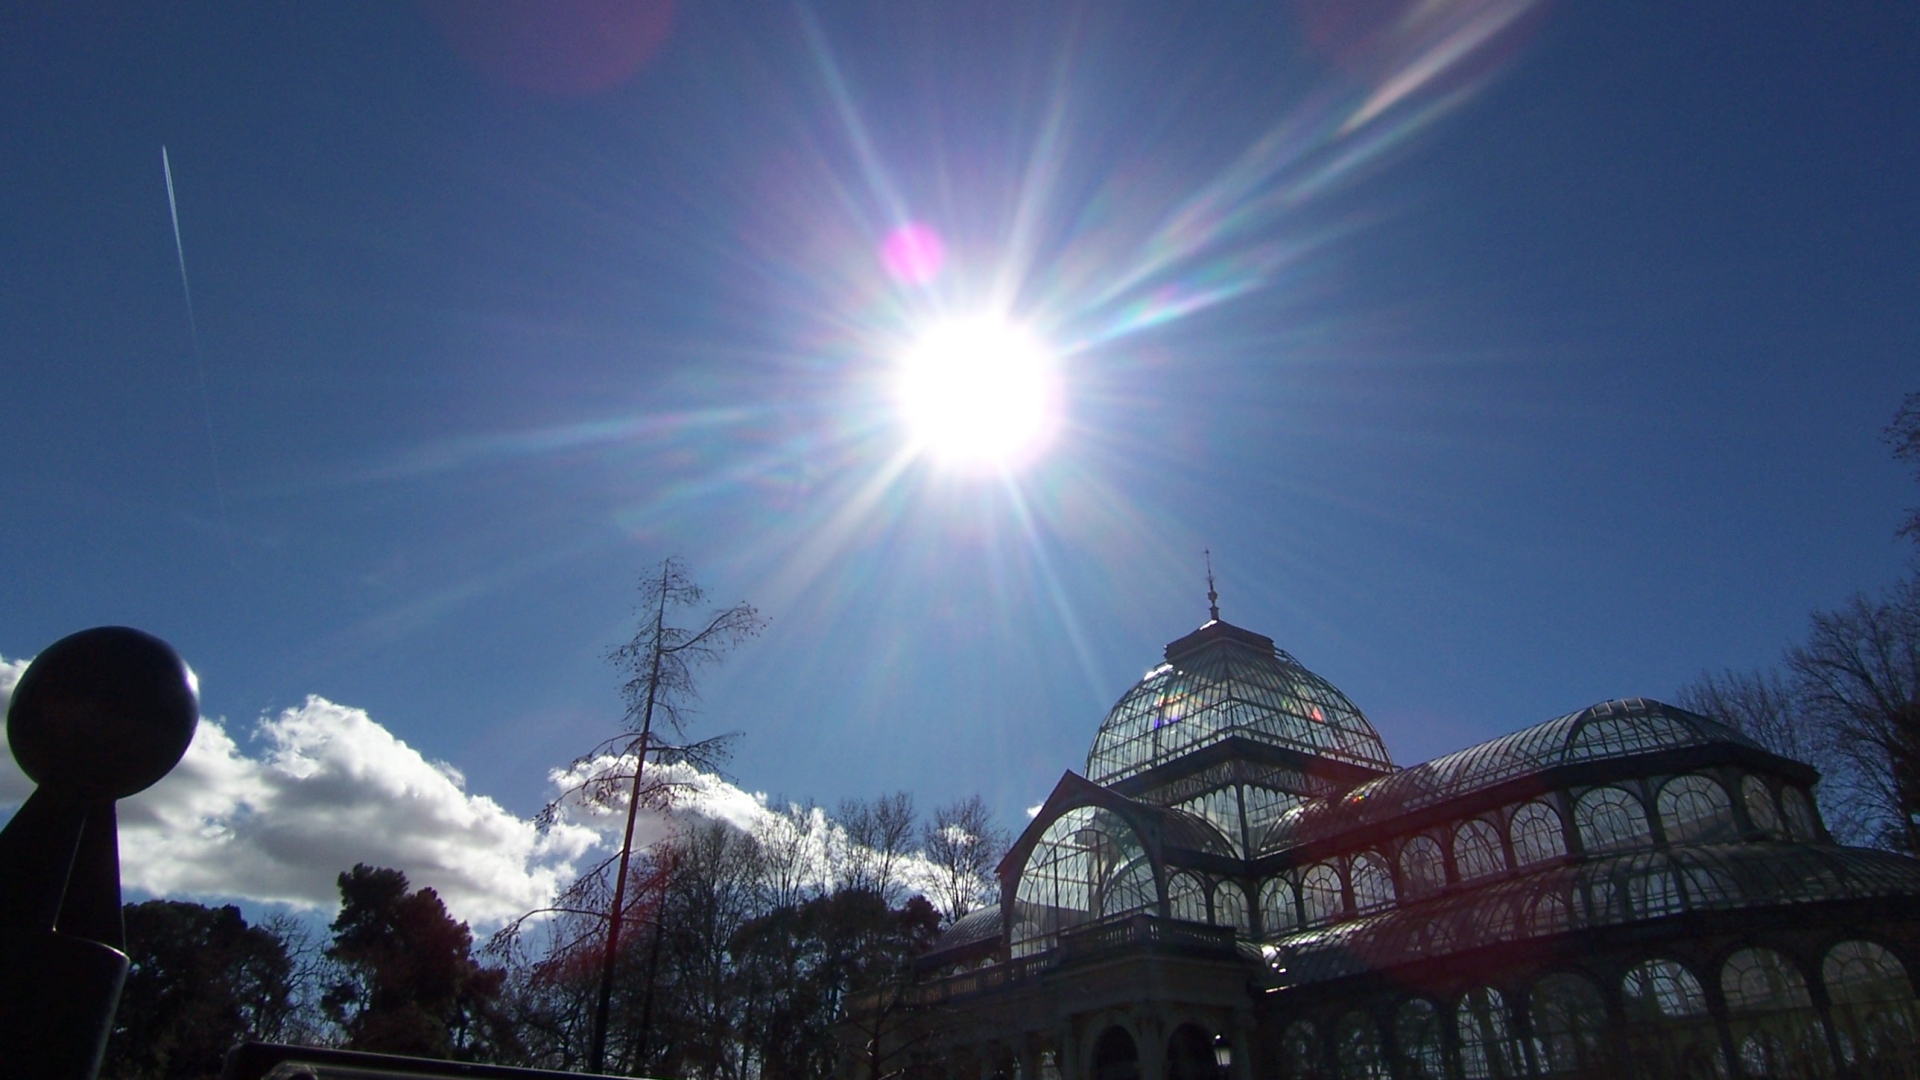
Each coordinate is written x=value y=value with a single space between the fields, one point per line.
x=320 y=787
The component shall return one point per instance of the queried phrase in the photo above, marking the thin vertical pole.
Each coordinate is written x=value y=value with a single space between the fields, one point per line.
x=596 y=1059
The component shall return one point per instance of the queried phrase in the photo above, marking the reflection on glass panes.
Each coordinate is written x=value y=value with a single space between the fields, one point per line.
x=1278 y=912
x=1759 y=802
x=1487 y=1050
x=1186 y=897
x=1416 y=1031
x=1089 y=863
x=1476 y=850
x=1300 y=1051
x=1230 y=908
x=1771 y=1018
x=1874 y=1011
x=1372 y=883
x=1537 y=834
x=1422 y=867
x=1695 y=809
x=1799 y=814
x=1356 y=1042
x=1610 y=819
x=1320 y=900
x=1669 y=1032
x=1569 y=1024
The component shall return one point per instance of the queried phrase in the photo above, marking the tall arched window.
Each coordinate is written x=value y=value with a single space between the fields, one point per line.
x=1537 y=834
x=1569 y=1024
x=1230 y=908
x=1320 y=900
x=1873 y=1007
x=1695 y=809
x=1416 y=1033
x=1356 y=1043
x=1372 y=883
x=1278 y=913
x=1300 y=1052
x=1423 y=869
x=1476 y=850
x=1186 y=897
x=1610 y=819
x=1669 y=1030
x=1759 y=802
x=1770 y=1016
x=1088 y=863
x=1487 y=1050
x=1799 y=814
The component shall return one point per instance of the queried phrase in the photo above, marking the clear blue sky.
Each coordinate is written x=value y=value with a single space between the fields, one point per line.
x=1560 y=379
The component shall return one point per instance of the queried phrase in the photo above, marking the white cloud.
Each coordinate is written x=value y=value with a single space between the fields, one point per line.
x=326 y=786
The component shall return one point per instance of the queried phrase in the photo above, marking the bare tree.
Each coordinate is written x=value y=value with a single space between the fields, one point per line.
x=659 y=665
x=962 y=845
x=874 y=844
x=1904 y=436
x=1767 y=708
x=1859 y=675
x=793 y=853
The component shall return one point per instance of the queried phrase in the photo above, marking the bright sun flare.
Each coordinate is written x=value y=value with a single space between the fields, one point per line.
x=979 y=393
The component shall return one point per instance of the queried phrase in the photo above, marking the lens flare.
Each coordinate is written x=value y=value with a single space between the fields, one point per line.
x=979 y=393
x=914 y=253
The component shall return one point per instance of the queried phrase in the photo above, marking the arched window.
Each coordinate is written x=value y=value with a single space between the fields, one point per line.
x=1770 y=1016
x=1873 y=1006
x=1300 y=1052
x=1186 y=897
x=1695 y=809
x=1278 y=913
x=1537 y=834
x=1476 y=850
x=1669 y=1031
x=1115 y=1056
x=1754 y=793
x=1610 y=819
x=1088 y=863
x=1799 y=814
x=1372 y=883
x=1423 y=869
x=1230 y=908
x=1548 y=914
x=1356 y=1043
x=1320 y=900
x=1569 y=1024
x=1416 y=1032
x=1487 y=1050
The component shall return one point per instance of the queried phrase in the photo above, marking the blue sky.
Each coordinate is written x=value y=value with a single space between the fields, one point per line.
x=1506 y=362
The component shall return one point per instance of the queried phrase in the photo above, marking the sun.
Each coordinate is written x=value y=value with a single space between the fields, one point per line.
x=980 y=393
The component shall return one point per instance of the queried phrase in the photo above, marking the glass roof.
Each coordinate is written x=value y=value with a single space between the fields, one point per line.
x=1610 y=729
x=978 y=925
x=1605 y=892
x=1220 y=681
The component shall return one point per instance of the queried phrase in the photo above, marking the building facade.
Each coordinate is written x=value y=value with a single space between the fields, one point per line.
x=1243 y=885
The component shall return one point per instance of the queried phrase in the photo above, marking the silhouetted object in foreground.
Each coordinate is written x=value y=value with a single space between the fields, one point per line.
x=98 y=716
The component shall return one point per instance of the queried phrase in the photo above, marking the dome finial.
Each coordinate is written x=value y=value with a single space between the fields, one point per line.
x=1213 y=598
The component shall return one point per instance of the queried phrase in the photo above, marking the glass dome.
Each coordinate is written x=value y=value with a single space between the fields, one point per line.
x=1220 y=681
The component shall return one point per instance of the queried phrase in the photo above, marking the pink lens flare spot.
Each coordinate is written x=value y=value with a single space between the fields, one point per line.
x=914 y=253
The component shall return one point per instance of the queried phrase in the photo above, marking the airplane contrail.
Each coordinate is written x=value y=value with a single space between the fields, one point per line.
x=199 y=368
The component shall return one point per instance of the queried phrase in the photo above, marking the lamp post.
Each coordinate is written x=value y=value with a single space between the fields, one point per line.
x=1222 y=1056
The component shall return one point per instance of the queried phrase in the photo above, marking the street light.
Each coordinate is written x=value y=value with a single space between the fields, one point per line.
x=1222 y=1055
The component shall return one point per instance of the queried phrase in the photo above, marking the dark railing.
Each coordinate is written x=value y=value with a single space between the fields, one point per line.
x=1136 y=932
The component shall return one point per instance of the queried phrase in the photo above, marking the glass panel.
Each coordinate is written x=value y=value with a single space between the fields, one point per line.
x=1537 y=834
x=1695 y=809
x=1278 y=914
x=1320 y=900
x=1357 y=1044
x=1569 y=1024
x=1799 y=814
x=1422 y=868
x=1753 y=792
x=1372 y=883
x=1230 y=908
x=1221 y=809
x=1770 y=1016
x=1487 y=1051
x=1186 y=897
x=1610 y=819
x=1089 y=863
x=1300 y=1052
x=1476 y=850
x=1416 y=1031
x=1873 y=1008
x=1669 y=1032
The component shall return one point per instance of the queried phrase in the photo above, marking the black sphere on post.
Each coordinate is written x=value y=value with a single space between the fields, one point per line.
x=97 y=716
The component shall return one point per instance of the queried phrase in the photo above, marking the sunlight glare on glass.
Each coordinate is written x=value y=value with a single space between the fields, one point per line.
x=979 y=393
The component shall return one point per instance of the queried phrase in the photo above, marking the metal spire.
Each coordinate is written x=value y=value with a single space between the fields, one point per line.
x=1213 y=598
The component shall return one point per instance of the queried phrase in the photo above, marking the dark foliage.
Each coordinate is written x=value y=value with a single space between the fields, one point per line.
x=408 y=982
x=199 y=980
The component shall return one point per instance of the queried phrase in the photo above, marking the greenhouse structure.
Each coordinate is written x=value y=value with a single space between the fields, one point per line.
x=1243 y=886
